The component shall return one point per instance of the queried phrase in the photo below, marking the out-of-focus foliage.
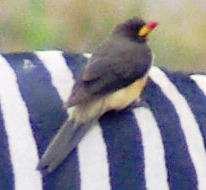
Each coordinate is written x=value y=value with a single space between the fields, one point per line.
x=80 y=25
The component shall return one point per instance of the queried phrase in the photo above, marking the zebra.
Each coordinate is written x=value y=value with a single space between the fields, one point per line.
x=157 y=146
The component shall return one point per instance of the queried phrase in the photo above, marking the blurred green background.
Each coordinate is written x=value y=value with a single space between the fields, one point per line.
x=79 y=25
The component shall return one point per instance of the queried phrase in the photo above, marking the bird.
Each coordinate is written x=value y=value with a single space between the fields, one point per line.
x=112 y=79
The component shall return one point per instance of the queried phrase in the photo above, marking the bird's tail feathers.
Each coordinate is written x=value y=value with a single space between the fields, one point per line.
x=66 y=139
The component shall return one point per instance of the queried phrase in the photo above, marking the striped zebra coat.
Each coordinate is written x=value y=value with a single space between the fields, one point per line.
x=157 y=147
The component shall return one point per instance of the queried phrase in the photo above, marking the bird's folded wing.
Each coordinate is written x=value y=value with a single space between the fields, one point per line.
x=106 y=77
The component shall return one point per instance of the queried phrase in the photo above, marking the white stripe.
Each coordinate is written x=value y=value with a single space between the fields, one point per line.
x=22 y=144
x=189 y=125
x=61 y=76
x=93 y=163
x=94 y=166
x=155 y=166
x=200 y=81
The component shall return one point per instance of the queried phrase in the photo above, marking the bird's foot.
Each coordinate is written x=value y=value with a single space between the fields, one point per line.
x=138 y=103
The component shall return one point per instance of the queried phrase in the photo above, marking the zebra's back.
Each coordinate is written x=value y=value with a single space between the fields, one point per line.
x=160 y=146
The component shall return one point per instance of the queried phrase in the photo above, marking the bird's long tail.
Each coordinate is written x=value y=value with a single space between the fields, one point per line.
x=67 y=138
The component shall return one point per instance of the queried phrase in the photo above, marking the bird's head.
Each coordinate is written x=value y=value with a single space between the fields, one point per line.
x=135 y=29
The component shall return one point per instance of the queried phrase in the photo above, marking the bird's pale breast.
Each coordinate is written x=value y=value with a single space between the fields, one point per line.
x=125 y=96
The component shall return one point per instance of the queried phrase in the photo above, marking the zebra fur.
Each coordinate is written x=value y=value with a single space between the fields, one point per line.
x=161 y=146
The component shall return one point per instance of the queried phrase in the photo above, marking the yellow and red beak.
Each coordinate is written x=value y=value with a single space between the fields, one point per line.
x=147 y=28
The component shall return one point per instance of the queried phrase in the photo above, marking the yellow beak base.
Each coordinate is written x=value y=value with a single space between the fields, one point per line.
x=147 y=28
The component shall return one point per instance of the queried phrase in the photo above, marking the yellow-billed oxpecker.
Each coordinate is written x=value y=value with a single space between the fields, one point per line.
x=113 y=78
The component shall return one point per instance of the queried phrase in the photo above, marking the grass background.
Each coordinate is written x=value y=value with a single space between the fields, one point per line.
x=179 y=42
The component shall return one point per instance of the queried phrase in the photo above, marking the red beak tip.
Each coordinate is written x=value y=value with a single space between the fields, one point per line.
x=153 y=24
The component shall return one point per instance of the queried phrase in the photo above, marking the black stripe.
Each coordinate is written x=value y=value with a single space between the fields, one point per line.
x=46 y=115
x=76 y=63
x=181 y=171
x=125 y=151
x=6 y=173
x=195 y=99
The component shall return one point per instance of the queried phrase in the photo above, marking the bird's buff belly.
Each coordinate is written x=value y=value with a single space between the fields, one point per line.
x=118 y=100
x=124 y=97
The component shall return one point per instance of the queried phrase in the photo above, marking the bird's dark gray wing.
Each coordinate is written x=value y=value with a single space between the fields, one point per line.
x=109 y=79
x=121 y=56
x=96 y=84
x=116 y=69
x=108 y=71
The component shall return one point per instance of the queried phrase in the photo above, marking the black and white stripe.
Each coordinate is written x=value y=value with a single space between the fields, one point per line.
x=161 y=146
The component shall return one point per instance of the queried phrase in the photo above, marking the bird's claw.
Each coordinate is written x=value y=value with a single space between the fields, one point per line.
x=138 y=103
